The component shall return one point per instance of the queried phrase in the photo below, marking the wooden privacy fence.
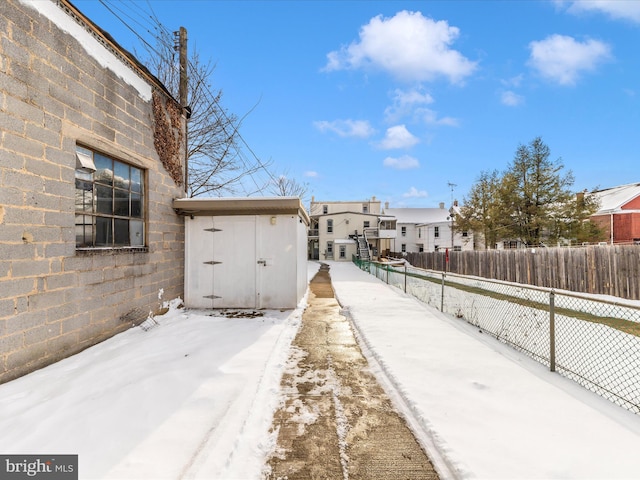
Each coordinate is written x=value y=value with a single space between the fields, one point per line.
x=607 y=270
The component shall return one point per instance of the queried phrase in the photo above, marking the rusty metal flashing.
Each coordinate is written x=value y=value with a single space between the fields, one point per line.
x=241 y=206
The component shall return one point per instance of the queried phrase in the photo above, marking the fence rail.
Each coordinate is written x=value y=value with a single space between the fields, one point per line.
x=592 y=341
x=606 y=270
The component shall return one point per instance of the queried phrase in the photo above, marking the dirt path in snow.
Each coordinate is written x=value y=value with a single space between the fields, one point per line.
x=336 y=421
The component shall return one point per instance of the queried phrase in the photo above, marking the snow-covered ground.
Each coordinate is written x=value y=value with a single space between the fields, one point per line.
x=193 y=396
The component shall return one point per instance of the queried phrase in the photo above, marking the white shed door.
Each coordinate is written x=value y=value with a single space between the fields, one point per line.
x=221 y=262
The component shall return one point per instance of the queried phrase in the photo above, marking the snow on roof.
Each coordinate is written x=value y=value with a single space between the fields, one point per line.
x=344 y=240
x=92 y=46
x=612 y=199
x=418 y=215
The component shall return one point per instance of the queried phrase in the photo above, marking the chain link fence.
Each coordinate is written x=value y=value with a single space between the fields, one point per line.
x=594 y=342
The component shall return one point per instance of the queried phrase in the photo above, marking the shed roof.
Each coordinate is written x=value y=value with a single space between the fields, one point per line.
x=241 y=206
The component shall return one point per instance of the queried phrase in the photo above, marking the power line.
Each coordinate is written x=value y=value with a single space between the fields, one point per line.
x=152 y=20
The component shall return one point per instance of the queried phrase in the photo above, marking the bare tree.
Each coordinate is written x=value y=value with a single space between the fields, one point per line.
x=283 y=186
x=215 y=159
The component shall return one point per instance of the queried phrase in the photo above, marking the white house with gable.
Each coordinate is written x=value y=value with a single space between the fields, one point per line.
x=428 y=230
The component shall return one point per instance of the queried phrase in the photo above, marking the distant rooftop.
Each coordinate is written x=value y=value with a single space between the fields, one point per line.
x=418 y=215
x=611 y=199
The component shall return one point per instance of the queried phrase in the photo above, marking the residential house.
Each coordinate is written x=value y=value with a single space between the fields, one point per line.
x=427 y=230
x=341 y=229
x=91 y=157
x=619 y=213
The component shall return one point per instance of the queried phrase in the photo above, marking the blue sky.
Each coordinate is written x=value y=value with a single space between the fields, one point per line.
x=402 y=99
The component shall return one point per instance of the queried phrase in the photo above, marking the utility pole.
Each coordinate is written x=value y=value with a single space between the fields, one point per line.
x=451 y=210
x=184 y=93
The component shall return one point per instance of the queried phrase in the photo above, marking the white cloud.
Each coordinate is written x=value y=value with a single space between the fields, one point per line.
x=513 y=81
x=619 y=10
x=411 y=97
x=430 y=117
x=404 y=162
x=311 y=174
x=346 y=128
x=511 y=99
x=562 y=59
x=415 y=193
x=409 y=46
x=405 y=102
x=398 y=137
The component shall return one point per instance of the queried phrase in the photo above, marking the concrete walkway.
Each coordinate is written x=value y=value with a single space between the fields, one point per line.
x=336 y=422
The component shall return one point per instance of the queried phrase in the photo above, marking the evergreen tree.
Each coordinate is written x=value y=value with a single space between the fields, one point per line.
x=531 y=202
x=480 y=210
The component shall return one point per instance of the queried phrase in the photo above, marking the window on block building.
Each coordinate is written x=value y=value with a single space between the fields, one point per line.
x=109 y=201
x=436 y=232
x=325 y=209
x=343 y=251
x=329 y=225
x=403 y=231
x=366 y=224
x=404 y=247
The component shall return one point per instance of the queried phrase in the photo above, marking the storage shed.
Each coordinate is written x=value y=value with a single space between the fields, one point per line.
x=244 y=252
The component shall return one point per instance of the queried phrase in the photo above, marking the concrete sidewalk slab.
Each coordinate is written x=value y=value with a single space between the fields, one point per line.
x=336 y=420
x=486 y=410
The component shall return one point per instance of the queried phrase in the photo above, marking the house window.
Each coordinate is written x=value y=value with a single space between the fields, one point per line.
x=365 y=208
x=329 y=225
x=343 y=251
x=465 y=233
x=404 y=231
x=419 y=233
x=329 y=249
x=436 y=232
x=420 y=248
x=109 y=201
x=366 y=224
x=404 y=248
x=325 y=209
x=457 y=248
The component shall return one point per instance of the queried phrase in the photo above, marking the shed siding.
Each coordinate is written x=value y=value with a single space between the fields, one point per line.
x=259 y=261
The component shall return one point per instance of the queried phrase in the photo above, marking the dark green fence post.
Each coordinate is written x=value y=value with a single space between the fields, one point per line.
x=552 y=331
x=405 y=278
x=442 y=294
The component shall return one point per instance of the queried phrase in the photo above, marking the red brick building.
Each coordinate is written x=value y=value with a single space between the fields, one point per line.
x=619 y=213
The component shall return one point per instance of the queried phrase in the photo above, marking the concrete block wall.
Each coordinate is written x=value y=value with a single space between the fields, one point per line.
x=54 y=300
